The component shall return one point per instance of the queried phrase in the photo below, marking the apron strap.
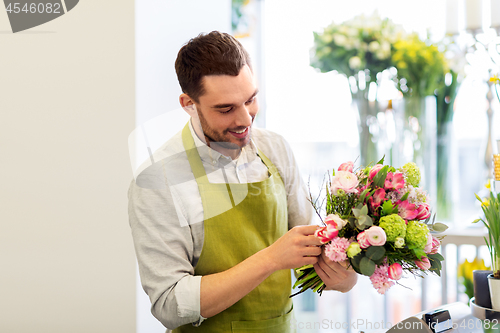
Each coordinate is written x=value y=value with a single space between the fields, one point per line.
x=193 y=156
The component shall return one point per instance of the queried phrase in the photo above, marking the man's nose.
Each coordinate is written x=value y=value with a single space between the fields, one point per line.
x=245 y=116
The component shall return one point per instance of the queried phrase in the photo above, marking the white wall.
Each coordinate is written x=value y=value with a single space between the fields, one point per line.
x=66 y=108
x=162 y=27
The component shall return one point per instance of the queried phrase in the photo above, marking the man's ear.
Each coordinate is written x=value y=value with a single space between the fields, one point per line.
x=188 y=105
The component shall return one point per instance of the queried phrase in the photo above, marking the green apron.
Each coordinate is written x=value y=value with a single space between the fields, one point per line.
x=256 y=219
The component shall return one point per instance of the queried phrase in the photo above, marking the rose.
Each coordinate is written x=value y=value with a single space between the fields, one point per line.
x=346 y=181
x=336 y=221
x=435 y=245
x=399 y=242
x=395 y=271
x=374 y=170
x=363 y=240
x=347 y=166
x=424 y=264
x=326 y=234
x=376 y=236
x=423 y=211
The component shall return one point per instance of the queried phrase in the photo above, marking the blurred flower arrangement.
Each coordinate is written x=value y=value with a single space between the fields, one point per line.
x=357 y=44
x=421 y=66
x=465 y=276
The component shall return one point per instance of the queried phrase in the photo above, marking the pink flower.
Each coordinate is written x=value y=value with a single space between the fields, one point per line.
x=394 y=181
x=436 y=243
x=395 y=271
x=347 y=166
x=363 y=240
x=335 y=221
x=336 y=250
x=407 y=210
x=346 y=181
x=376 y=236
x=423 y=211
x=326 y=234
x=380 y=279
x=377 y=198
x=374 y=170
x=428 y=245
x=423 y=264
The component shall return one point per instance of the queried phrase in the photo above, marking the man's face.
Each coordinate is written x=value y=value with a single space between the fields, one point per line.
x=227 y=108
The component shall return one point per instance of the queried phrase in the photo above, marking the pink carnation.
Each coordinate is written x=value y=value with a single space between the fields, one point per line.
x=336 y=250
x=380 y=279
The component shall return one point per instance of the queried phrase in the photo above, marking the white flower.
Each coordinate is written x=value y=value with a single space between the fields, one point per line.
x=339 y=39
x=354 y=62
x=373 y=46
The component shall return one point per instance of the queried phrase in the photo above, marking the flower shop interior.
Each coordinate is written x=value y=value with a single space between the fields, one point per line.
x=330 y=86
x=358 y=80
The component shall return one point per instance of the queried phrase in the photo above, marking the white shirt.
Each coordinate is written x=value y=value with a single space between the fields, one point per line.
x=166 y=215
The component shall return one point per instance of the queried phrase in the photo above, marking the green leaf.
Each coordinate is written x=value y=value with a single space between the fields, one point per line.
x=435 y=256
x=405 y=196
x=477 y=220
x=333 y=172
x=375 y=252
x=366 y=266
x=381 y=160
x=379 y=179
x=439 y=227
x=388 y=208
x=419 y=253
x=364 y=210
x=356 y=212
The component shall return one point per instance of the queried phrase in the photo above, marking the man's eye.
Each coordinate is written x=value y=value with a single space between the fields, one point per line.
x=250 y=101
x=226 y=111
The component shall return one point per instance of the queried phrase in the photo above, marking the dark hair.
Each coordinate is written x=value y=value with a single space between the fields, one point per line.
x=215 y=53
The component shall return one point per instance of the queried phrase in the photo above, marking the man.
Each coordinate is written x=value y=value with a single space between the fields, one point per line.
x=227 y=216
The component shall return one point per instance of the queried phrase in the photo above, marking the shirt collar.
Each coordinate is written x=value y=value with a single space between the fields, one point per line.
x=212 y=156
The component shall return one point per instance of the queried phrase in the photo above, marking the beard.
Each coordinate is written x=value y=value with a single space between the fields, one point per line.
x=220 y=138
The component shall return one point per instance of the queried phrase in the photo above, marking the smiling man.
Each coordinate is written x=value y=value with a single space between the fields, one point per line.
x=216 y=243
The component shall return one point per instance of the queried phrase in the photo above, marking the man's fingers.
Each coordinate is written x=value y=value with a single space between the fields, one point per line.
x=307 y=229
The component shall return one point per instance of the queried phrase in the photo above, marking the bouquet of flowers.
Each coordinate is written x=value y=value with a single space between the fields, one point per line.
x=357 y=44
x=379 y=220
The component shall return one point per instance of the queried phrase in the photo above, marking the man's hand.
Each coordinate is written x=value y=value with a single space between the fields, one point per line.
x=296 y=248
x=335 y=275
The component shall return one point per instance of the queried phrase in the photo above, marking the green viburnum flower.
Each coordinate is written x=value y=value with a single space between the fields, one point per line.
x=394 y=226
x=353 y=249
x=416 y=234
x=399 y=243
x=412 y=173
